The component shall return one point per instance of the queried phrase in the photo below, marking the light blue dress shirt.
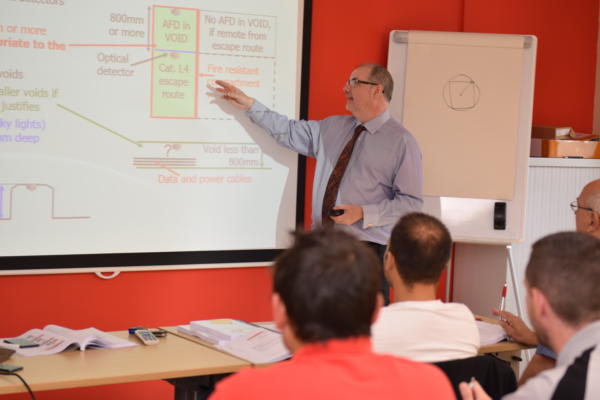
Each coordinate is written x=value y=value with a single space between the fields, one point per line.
x=384 y=175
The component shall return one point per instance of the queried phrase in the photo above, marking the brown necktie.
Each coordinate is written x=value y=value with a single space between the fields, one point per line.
x=335 y=178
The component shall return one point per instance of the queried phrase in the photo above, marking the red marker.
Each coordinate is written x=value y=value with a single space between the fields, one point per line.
x=502 y=301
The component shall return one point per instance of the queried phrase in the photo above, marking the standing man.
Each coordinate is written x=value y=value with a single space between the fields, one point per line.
x=562 y=280
x=368 y=171
x=325 y=297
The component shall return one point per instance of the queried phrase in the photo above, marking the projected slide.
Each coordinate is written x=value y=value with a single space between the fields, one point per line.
x=112 y=140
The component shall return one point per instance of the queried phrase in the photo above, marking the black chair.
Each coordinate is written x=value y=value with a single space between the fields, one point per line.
x=195 y=387
x=494 y=375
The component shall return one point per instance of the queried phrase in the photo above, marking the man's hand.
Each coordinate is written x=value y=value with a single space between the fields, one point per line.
x=515 y=328
x=351 y=214
x=234 y=95
x=472 y=391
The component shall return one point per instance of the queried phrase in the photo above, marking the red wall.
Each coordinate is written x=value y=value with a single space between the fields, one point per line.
x=566 y=60
x=344 y=35
x=149 y=299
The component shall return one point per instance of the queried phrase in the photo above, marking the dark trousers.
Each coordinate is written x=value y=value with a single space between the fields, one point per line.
x=385 y=287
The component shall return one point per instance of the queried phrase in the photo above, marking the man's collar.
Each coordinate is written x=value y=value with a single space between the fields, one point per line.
x=374 y=124
x=582 y=340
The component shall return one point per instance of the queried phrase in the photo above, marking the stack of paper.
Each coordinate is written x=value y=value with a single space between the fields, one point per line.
x=253 y=343
x=261 y=347
x=490 y=333
x=219 y=331
x=54 y=339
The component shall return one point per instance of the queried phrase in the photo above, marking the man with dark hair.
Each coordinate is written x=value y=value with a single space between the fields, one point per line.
x=325 y=299
x=416 y=325
x=368 y=172
x=562 y=281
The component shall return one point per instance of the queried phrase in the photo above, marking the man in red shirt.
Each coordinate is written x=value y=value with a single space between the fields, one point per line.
x=325 y=298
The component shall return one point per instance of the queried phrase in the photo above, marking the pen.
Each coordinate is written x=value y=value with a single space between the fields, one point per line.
x=502 y=301
x=472 y=382
x=255 y=335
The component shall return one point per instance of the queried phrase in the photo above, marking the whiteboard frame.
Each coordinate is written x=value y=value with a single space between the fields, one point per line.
x=471 y=220
x=113 y=270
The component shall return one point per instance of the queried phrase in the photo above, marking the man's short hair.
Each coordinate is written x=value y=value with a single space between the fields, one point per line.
x=565 y=267
x=420 y=245
x=328 y=281
x=382 y=76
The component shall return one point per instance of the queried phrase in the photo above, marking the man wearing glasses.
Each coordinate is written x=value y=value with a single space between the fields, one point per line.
x=368 y=172
x=586 y=209
x=587 y=220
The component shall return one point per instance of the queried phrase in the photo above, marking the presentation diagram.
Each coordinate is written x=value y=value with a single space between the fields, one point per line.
x=108 y=112
x=461 y=93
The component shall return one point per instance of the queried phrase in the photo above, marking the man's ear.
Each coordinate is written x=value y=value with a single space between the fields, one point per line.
x=389 y=265
x=540 y=305
x=594 y=225
x=379 y=89
x=279 y=312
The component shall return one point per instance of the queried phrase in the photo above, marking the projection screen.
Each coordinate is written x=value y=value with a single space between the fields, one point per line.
x=115 y=150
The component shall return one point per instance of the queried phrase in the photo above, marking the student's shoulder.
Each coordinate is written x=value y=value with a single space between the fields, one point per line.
x=540 y=386
x=250 y=383
x=425 y=376
x=407 y=366
x=240 y=385
x=459 y=307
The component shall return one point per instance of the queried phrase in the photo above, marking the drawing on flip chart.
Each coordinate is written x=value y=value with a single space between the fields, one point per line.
x=461 y=93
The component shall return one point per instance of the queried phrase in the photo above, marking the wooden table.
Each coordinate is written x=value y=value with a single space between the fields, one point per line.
x=173 y=331
x=502 y=347
x=505 y=350
x=174 y=357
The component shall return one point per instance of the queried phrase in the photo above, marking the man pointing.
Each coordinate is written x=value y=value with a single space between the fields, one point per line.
x=368 y=172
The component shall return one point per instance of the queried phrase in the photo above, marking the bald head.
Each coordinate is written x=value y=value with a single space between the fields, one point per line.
x=587 y=217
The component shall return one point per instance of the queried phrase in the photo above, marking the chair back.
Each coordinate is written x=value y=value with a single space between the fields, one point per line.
x=494 y=375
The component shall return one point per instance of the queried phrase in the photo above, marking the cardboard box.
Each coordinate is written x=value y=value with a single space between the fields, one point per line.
x=562 y=148
x=552 y=132
x=562 y=142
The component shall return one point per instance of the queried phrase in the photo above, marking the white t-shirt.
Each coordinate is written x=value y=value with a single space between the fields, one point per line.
x=426 y=331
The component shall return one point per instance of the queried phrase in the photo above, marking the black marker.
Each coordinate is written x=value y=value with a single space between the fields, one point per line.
x=335 y=213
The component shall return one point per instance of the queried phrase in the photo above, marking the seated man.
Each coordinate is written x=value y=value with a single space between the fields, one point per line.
x=562 y=280
x=325 y=299
x=587 y=220
x=416 y=325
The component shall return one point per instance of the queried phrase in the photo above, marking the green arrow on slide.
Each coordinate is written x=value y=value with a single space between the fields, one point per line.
x=99 y=125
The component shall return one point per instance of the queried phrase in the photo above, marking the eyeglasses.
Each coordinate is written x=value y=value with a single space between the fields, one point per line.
x=353 y=82
x=574 y=206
